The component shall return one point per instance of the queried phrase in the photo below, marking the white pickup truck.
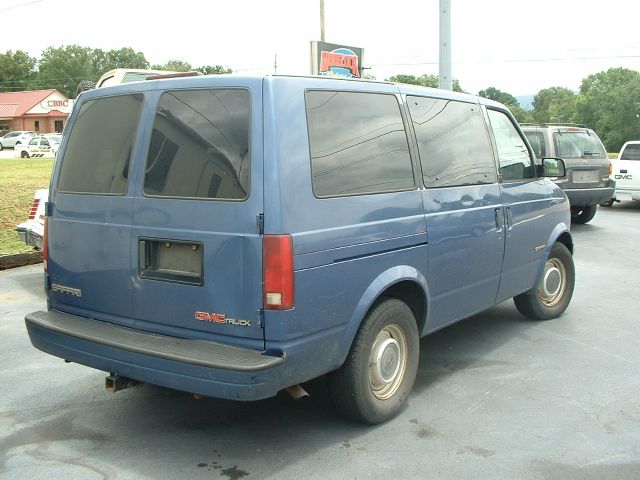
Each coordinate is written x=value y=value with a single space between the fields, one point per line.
x=625 y=170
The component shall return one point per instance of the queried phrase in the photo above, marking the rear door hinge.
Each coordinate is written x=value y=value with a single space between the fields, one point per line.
x=48 y=209
x=260 y=223
x=261 y=318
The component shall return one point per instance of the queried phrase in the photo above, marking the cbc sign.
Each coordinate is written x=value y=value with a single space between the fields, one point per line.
x=62 y=105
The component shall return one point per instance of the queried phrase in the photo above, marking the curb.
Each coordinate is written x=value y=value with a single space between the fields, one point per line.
x=20 y=259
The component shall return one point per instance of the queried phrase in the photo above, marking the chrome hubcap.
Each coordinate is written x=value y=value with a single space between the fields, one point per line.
x=553 y=282
x=387 y=361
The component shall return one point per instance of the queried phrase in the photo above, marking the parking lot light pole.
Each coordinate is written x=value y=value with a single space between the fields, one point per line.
x=445 y=80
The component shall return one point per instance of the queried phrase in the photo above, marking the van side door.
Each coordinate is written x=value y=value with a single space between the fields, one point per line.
x=527 y=206
x=462 y=204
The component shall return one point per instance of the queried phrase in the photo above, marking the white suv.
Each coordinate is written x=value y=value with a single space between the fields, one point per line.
x=625 y=170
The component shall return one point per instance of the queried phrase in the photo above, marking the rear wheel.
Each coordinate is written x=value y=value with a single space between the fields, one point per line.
x=1 y=147
x=583 y=214
x=378 y=375
x=552 y=296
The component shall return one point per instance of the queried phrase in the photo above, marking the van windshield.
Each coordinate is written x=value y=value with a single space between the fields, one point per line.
x=578 y=144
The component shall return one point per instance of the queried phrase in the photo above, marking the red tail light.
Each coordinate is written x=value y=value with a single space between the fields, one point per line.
x=278 y=290
x=34 y=208
x=45 y=246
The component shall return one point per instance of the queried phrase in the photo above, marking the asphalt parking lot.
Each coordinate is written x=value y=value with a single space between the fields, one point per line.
x=497 y=397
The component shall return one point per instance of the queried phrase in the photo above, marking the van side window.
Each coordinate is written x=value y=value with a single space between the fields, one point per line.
x=513 y=154
x=199 y=145
x=453 y=142
x=358 y=144
x=97 y=156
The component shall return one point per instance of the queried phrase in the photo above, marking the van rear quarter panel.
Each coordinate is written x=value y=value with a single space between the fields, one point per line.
x=347 y=250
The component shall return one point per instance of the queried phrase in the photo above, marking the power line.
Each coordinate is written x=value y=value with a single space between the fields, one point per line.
x=20 y=5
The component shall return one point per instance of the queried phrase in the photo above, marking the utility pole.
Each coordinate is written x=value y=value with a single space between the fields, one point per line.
x=445 y=79
x=322 y=20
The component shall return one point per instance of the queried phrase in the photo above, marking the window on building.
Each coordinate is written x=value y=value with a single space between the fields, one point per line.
x=453 y=142
x=358 y=144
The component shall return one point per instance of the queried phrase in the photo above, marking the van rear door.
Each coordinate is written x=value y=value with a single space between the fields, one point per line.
x=89 y=224
x=196 y=244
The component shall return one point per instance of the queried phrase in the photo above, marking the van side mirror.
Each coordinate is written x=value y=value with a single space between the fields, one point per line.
x=552 y=167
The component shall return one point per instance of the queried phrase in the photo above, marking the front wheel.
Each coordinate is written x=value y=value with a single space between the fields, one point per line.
x=583 y=214
x=24 y=154
x=552 y=296
x=380 y=370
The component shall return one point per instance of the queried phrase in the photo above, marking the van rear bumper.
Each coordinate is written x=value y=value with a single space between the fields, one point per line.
x=197 y=366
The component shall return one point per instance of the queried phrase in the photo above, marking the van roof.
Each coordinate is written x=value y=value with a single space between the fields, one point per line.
x=404 y=88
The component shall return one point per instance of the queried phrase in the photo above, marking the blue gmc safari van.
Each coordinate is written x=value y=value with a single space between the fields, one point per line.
x=234 y=236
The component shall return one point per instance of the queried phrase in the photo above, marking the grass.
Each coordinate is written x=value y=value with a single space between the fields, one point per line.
x=19 y=179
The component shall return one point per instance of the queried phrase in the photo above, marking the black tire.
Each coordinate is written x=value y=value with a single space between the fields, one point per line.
x=584 y=214
x=372 y=395
x=1 y=147
x=551 y=297
x=24 y=154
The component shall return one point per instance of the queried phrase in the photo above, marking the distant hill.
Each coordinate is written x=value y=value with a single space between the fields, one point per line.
x=525 y=101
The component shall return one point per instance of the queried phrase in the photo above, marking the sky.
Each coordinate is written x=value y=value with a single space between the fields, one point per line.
x=519 y=47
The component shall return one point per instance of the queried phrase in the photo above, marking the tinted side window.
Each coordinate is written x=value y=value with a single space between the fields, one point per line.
x=200 y=145
x=97 y=156
x=631 y=152
x=536 y=140
x=358 y=144
x=513 y=155
x=453 y=142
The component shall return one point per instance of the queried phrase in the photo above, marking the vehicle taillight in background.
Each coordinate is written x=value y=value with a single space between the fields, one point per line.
x=610 y=168
x=45 y=246
x=34 y=208
x=278 y=289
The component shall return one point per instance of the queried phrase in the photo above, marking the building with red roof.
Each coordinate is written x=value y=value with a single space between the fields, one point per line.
x=42 y=111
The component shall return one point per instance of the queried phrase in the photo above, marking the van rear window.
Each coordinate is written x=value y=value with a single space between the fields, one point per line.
x=199 y=145
x=97 y=156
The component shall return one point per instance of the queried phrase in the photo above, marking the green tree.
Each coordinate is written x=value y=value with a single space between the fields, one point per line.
x=495 y=94
x=174 y=65
x=213 y=69
x=64 y=67
x=555 y=104
x=16 y=70
x=123 y=58
x=609 y=102
x=423 y=80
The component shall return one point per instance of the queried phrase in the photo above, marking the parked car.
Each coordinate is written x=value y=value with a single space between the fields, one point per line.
x=248 y=234
x=18 y=137
x=121 y=75
x=625 y=170
x=40 y=146
x=587 y=182
x=32 y=230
